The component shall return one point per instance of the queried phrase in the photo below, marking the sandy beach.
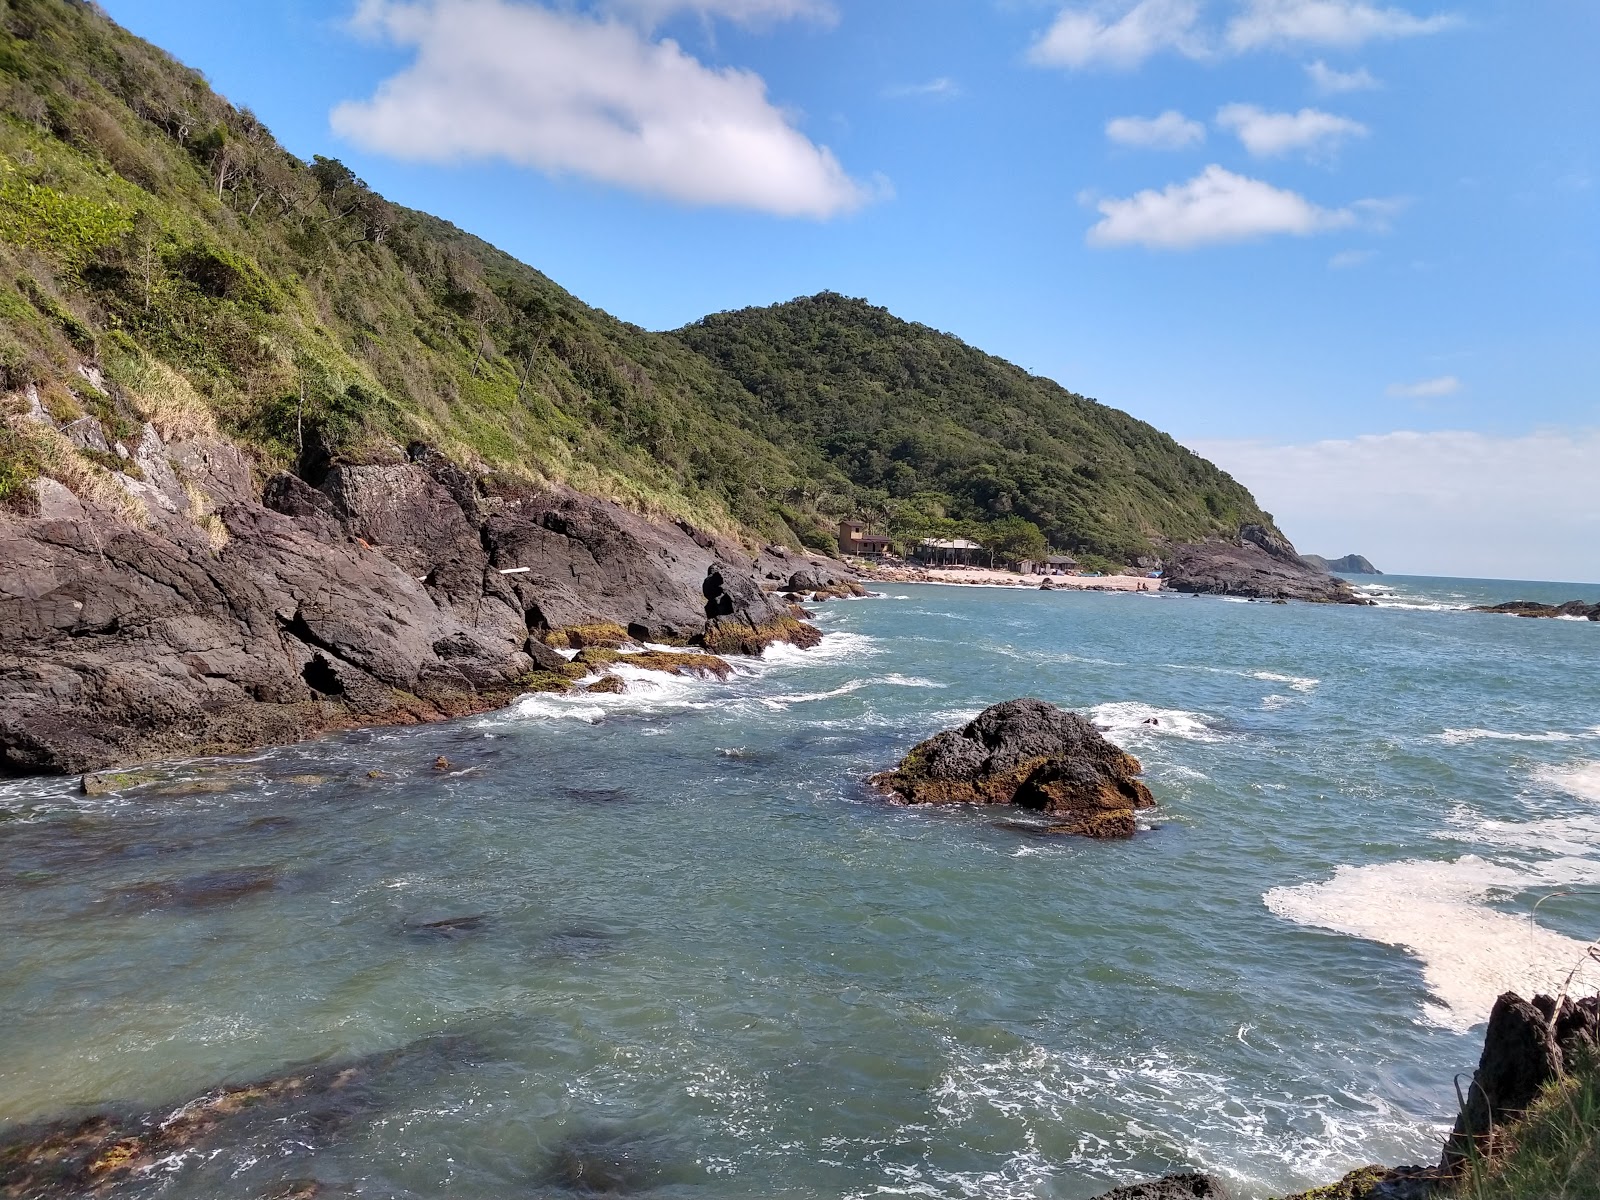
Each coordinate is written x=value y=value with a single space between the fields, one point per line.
x=988 y=577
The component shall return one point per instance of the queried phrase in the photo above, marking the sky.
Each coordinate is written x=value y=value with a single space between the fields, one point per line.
x=1347 y=249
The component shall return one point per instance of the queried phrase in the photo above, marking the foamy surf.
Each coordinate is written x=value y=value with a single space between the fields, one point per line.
x=1436 y=912
x=1126 y=721
x=1580 y=779
x=1461 y=737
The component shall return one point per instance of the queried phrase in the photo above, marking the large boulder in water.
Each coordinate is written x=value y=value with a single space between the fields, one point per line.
x=1032 y=754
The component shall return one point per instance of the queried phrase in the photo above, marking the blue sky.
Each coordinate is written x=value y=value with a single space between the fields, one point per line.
x=1347 y=248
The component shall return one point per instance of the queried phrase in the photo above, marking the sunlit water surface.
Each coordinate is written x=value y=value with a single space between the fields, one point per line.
x=705 y=943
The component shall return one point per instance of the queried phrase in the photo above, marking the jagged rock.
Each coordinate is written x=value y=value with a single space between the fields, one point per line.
x=1172 y=1187
x=1258 y=564
x=1533 y=608
x=1032 y=754
x=608 y=685
x=1521 y=1054
x=390 y=593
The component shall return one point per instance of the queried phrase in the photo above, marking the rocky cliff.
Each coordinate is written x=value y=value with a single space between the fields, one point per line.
x=1260 y=563
x=187 y=611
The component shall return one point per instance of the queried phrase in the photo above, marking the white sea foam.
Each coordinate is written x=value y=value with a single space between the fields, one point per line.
x=649 y=693
x=1130 y=721
x=1459 y=737
x=1435 y=912
x=1148 y=1100
x=833 y=647
x=1298 y=682
x=1580 y=779
x=1276 y=701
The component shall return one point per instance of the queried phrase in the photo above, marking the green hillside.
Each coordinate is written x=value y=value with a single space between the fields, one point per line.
x=152 y=230
x=919 y=421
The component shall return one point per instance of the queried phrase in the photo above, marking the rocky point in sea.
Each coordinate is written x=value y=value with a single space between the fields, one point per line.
x=1576 y=609
x=1260 y=563
x=1031 y=754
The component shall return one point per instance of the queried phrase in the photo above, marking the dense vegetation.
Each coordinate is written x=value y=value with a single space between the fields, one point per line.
x=924 y=425
x=150 y=229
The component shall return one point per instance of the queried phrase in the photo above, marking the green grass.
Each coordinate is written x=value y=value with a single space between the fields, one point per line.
x=1554 y=1154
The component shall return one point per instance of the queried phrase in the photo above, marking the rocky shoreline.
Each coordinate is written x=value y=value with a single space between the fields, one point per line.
x=194 y=613
x=185 y=609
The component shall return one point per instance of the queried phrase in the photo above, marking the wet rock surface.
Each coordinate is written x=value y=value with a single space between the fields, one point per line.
x=1031 y=754
x=1172 y=1187
x=1533 y=608
x=1258 y=564
x=389 y=593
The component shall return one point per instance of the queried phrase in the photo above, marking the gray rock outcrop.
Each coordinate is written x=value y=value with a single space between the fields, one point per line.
x=1259 y=564
x=216 y=621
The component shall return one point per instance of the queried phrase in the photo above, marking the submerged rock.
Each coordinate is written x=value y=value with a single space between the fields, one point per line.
x=1032 y=754
x=207 y=890
x=609 y=1162
x=448 y=928
x=88 y=1155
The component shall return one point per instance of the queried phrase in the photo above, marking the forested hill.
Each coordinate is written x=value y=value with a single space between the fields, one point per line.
x=921 y=422
x=163 y=259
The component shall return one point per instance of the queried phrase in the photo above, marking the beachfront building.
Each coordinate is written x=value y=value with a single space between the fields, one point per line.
x=950 y=552
x=854 y=539
x=1056 y=564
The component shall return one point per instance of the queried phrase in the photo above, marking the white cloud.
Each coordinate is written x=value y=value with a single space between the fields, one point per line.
x=1268 y=134
x=755 y=13
x=1346 y=259
x=1448 y=503
x=1331 y=82
x=934 y=88
x=598 y=98
x=1119 y=34
x=1170 y=131
x=1269 y=23
x=1426 y=389
x=1215 y=206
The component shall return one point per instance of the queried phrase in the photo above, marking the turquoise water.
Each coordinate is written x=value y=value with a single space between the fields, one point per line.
x=707 y=950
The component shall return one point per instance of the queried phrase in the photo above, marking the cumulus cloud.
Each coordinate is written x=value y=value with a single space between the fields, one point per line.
x=1215 y=206
x=1426 y=389
x=1170 y=131
x=1447 y=503
x=565 y=93
x=1119 y=35
x=756 y=13
x=1346 y=23
x=1268 y=134
x=1331 y=82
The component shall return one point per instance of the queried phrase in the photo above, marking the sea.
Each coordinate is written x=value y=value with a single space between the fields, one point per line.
x=686 y=952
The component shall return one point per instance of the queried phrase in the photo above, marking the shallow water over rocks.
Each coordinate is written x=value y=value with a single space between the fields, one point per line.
x=695 y=956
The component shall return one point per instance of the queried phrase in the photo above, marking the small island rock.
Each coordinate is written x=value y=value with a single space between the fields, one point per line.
x=1032 y=754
